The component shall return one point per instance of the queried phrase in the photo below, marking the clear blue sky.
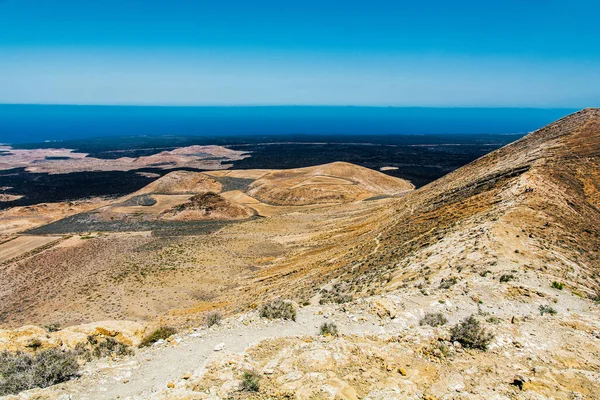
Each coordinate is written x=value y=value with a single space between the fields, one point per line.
x=370 y=52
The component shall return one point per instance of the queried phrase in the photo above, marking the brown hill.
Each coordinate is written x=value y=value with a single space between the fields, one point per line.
x=182 y=182
x=329 y=183
x=207 y=206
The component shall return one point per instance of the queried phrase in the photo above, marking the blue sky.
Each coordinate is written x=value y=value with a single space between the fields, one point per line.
x=426 y=53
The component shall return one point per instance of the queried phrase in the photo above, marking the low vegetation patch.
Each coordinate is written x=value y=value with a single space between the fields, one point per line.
x=448 y=283
x=213 y=318
x=507 y=278
x=251 y=381
x=109 y=347
x=558 y=285
x=338 y=294
x=52 y=327
x=22 y=371
x=544 y=309
x=471 y=334
x=278 y=309
x=164 y=332
x=433 y=319
x=328 y=329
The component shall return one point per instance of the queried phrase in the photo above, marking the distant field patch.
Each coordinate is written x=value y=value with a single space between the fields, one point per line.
x=324 y=180
x=21 y=245
x=240 y=173
x=163 y=202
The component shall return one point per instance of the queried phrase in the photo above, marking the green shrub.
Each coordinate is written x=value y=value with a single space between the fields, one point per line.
x=21 y=371
x=328 y=328
x=471 y=334
x=164 y=332
x=558 y=285
x=278 y=309
x=251 y=381
x=213 y=318
x=544 y=309
x=433 y=319
x=506 y=278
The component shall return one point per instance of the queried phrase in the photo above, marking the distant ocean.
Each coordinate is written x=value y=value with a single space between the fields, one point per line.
x=39 y=123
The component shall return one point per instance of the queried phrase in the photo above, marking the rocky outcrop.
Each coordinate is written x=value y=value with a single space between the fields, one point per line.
x=30 y=338
x=207 y=206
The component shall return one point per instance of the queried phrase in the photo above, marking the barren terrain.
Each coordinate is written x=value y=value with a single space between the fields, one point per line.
x=63 y=161
x=121 y=274
x=511 y=239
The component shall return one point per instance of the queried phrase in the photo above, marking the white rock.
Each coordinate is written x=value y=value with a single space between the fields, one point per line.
x=220 y=347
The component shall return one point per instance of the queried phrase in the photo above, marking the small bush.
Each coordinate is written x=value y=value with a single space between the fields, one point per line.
x=433 y=319
x=161 y=333
x=328 y=328
x=338 y=294
x=213 y=318
x=251 y=381
x=21 y=371
x=34 y=344
x=448 y=283
x=278 y=309
x=110 y=347
x=506 y=278
x=471 y=334
x=558 y=285
x=52 y=327
x=547 y=310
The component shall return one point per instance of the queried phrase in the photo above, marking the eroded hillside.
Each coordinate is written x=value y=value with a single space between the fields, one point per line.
x=532 y=204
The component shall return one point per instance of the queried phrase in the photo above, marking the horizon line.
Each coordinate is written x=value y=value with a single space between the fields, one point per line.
x=292 y=106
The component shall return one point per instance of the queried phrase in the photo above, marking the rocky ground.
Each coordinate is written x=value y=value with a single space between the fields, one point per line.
x=381 y=352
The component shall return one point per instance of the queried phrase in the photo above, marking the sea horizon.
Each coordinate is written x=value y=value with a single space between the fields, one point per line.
x=33 y=123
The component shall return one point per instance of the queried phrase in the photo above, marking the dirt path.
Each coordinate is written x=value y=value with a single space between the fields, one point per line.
x=151 y=369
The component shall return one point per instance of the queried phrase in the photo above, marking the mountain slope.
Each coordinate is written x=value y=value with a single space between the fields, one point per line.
x=532 y=204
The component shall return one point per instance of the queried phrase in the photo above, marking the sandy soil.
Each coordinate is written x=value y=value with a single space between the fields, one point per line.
x=19 y=219
x=22 y=245
x=163 y=203
x=245 y=174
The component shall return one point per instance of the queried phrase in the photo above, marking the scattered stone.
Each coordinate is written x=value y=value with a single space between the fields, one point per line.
x=220 y=347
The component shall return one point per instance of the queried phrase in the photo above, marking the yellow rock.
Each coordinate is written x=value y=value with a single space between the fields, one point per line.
x=20 y=338
x=384 y=308
x=127 y=332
